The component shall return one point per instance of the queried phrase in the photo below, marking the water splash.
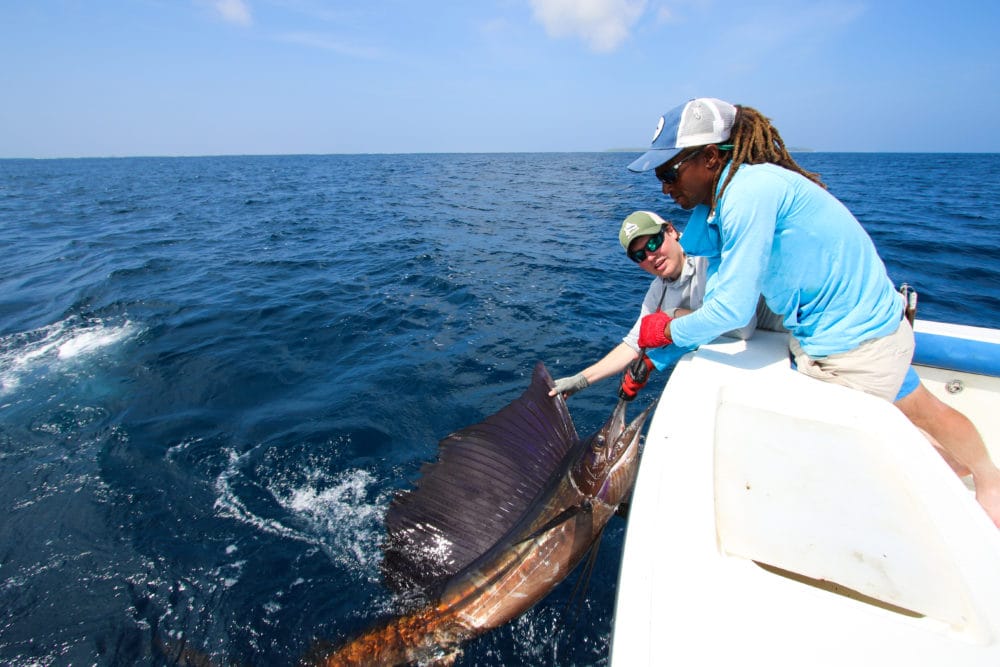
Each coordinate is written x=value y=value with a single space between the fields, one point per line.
x=337 y=510
x=56 y=348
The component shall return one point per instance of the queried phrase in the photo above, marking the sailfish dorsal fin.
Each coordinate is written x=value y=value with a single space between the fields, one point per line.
x=485 y=479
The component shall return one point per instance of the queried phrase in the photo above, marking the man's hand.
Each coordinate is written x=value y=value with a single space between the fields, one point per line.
x=635 y=377
x=570 y=385
x=652 y=330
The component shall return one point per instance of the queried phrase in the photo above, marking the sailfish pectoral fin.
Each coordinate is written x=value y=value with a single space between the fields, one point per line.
x=579 y=593
x=565 y=515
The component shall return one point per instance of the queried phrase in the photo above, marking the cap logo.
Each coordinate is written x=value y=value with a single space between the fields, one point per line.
x=631 y=228
x=659 y=128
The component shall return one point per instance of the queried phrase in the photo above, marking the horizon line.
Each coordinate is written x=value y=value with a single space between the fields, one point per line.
x=386 y=153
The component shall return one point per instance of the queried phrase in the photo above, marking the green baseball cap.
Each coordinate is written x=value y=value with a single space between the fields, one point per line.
x=640 y=223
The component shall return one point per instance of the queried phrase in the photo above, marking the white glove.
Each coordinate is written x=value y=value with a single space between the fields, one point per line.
x=569 y=386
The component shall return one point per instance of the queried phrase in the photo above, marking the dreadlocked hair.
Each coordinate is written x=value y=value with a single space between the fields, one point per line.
x=756 y=141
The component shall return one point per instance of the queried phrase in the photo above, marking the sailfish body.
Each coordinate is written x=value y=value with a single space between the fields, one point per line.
x=507 y=511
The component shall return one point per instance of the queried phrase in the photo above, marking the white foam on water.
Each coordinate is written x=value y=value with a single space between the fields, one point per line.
x=85 y=342
x=182 y=446
x=233 y=573
x=336 y=507
x=334 y=511
x=51 y=349
x=229 y=504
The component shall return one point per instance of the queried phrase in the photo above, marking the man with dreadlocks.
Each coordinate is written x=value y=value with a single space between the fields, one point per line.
x=769 y=227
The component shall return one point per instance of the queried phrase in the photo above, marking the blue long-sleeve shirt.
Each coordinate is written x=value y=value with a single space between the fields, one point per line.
x=688 y=292
x=777 y=233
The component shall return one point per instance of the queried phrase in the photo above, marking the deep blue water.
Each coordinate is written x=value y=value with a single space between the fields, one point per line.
x=214 y=372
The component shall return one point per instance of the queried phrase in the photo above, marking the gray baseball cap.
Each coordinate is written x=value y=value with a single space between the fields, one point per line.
x=698 y=122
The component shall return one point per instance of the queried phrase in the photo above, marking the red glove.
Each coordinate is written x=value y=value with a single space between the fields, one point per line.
x=635 y=377
x=652 y=330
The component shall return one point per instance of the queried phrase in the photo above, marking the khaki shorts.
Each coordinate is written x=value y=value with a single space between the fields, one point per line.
x=875 y=367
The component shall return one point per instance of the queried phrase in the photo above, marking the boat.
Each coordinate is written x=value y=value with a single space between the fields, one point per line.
x=777 y=520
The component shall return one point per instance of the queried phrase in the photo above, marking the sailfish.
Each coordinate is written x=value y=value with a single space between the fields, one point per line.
x=506 y=512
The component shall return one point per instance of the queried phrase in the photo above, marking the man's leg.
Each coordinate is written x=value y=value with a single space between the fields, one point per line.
x=959 y=443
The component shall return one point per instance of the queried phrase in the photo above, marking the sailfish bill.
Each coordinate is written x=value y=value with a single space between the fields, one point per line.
x=507 y=511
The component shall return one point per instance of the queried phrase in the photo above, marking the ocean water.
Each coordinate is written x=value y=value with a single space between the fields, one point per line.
x=215 y=372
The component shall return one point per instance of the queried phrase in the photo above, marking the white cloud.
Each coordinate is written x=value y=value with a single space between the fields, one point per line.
x=602 y=24
x=233 y=11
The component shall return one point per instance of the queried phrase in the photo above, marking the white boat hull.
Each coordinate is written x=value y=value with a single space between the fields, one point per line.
x=777 y=520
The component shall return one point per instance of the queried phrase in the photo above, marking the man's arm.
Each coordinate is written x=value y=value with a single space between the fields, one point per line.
x=613 y=363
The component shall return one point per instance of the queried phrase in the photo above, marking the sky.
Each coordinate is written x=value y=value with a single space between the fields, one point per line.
x=254 y=77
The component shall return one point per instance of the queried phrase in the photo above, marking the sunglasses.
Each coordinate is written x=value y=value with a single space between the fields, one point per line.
x=652 y=244
x=668 y=176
